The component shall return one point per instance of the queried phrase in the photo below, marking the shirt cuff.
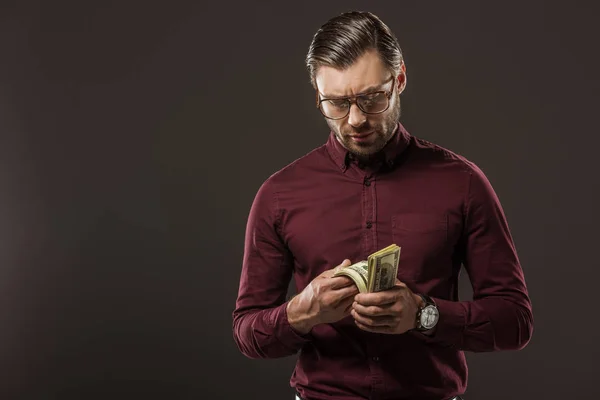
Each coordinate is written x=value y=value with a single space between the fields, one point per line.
x=284 y=332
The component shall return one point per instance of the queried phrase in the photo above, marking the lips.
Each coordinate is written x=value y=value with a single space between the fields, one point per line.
x=362 y=138
x=361 y=135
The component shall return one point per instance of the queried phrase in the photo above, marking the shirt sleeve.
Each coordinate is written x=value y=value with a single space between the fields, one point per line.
x=260 y=324
x=500 y=315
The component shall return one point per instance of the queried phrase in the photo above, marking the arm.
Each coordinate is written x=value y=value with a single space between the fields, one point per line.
x=500 y=315
x=260 y=323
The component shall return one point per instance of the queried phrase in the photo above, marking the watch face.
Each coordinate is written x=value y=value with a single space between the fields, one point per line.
x=429 y=317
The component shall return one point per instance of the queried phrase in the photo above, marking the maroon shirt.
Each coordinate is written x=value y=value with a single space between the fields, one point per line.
x=441 y=210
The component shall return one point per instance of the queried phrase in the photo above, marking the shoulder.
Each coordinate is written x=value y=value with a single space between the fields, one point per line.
x=448 y=167
x=299 y=169
x=427 y=152
x=289 y=179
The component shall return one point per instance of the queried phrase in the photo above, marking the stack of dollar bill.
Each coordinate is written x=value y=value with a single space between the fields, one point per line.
x=375 y=274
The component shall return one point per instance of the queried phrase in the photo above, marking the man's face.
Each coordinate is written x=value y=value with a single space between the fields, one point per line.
x=360 y=133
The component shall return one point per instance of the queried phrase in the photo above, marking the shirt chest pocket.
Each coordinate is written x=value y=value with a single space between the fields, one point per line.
x=423 y=238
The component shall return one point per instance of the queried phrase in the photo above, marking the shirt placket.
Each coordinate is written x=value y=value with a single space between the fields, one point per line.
x=377 y=383
x=369 y=214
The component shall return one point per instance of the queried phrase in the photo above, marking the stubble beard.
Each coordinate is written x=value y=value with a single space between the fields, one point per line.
x=384 y=131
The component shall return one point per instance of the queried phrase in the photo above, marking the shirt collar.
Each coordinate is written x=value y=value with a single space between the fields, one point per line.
x=388 y=155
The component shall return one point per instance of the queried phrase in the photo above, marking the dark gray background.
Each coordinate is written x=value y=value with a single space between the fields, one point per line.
x=133 y=137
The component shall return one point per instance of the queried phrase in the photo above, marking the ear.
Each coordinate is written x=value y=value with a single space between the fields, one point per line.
x=402 y=78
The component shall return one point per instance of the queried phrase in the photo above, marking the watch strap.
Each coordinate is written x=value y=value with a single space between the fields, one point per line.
x=427 y=300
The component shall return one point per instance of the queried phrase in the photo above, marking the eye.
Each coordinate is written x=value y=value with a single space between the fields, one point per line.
x=370 y=96
x=374 y=97
x=374 y=101
x=338 y=103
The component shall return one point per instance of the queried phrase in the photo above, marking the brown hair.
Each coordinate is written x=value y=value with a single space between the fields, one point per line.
x=346 y=37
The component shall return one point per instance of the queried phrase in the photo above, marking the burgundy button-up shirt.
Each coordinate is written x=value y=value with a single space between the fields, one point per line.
x=441 y=210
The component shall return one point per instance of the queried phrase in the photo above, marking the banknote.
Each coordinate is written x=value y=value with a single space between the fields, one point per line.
x=383 y=268
x=358 y=272
x=377 y=273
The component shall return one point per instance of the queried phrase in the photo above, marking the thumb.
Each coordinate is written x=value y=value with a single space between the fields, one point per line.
x=344 y=264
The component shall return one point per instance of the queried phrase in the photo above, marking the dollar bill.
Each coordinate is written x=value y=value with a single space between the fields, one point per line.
x=377 y=273
x=358 y=272
x=383 y=268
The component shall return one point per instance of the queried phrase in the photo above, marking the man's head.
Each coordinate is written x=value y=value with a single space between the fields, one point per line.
x=356 y=54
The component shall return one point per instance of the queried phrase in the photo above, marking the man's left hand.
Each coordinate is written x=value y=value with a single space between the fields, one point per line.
x=390 y=311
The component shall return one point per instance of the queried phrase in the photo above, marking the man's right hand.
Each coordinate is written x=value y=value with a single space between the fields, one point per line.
x=326 y=299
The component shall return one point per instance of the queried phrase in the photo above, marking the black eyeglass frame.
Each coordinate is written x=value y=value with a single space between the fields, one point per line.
x=354 y=100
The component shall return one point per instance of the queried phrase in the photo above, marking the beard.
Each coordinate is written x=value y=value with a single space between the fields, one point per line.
x=383 y=131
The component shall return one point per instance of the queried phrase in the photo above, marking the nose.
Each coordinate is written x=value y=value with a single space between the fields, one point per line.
x=356 y=117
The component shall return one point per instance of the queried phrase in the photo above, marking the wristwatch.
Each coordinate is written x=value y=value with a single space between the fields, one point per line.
x=428 y=315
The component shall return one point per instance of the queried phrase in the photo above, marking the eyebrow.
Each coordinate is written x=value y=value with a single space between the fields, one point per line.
x=368 y=90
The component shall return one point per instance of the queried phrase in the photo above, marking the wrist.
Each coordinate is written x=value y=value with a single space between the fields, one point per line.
x=300 y=321
x=419 y=301
x=419 y=305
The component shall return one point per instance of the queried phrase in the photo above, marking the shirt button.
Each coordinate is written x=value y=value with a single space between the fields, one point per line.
x=367 y=182
x=369 y=224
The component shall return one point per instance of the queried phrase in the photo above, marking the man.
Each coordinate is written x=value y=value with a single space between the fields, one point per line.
x=373 y=184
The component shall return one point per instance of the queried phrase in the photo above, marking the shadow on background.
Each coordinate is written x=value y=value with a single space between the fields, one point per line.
x=134 y=137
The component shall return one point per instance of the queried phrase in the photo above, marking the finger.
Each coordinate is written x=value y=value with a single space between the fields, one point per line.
x=373 y=321
x=346 y=305
x=400 y=284
x=385 y=297
x=330 y=272
x=347 y=291
x=339 y=282
x=374 y=311
x=344 y=264
x=376 y=329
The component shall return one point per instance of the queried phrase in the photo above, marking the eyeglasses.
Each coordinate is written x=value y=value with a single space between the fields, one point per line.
x=369 y=103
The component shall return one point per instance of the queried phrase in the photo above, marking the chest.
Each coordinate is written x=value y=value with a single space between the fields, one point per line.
x=330 y=220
